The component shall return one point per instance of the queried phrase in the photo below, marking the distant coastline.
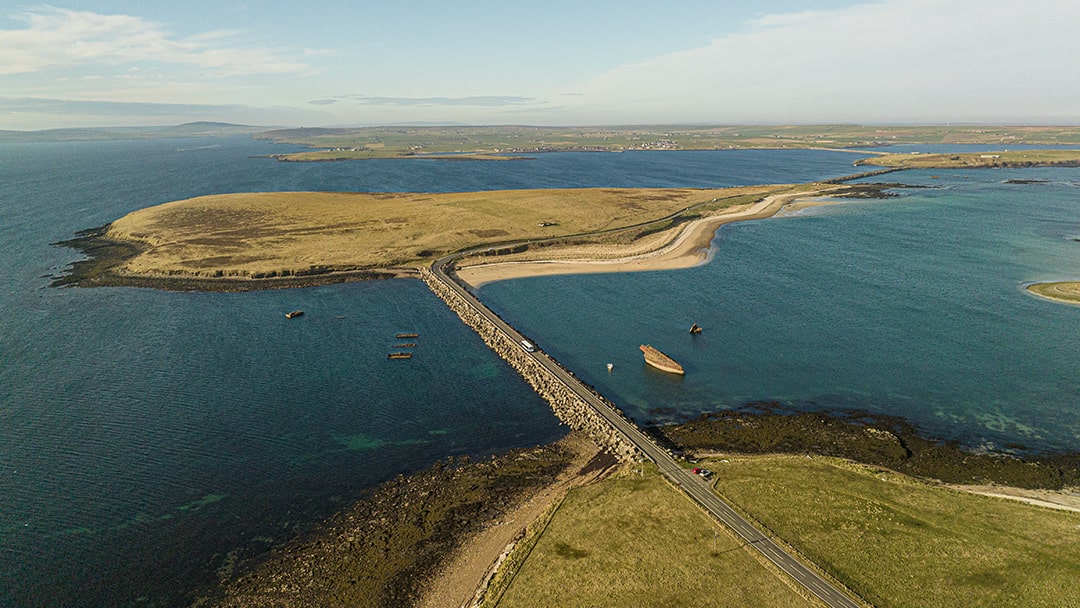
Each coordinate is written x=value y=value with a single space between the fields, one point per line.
x=316 y=156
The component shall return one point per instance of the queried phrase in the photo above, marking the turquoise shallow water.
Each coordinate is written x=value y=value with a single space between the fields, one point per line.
x=148 y=438
x=912 y=306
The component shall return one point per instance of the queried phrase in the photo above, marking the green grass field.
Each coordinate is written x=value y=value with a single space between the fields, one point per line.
x=894 y=540
x=637 y=542
x=899 y=542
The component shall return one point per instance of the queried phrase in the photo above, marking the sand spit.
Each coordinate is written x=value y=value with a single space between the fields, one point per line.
x=688 y=248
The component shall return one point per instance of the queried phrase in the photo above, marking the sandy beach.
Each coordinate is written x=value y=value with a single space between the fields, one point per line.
x=687 y=247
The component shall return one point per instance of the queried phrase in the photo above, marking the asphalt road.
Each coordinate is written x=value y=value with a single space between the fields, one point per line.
x=692 y=485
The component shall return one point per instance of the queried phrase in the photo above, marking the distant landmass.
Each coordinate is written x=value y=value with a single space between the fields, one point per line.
x=402 y=141
x=417 y=140
x=190 y=129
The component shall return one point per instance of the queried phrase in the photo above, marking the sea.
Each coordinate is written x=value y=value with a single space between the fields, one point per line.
x=152 y=441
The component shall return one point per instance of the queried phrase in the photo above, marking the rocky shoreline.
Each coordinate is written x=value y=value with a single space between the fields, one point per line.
x=383 y=550
x=874 y=439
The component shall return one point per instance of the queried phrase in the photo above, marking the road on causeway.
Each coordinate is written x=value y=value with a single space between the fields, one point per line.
x=692 y=485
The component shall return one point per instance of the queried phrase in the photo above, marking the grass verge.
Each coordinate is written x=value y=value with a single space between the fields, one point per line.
x=633 y=540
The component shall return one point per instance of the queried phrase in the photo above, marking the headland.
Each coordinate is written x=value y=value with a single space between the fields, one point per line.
x=240 y=242
x=296 y=239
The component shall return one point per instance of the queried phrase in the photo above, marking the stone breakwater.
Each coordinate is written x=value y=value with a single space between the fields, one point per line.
x=571 y=409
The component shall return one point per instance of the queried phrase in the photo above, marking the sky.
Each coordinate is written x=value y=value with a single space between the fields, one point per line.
x=551 y=62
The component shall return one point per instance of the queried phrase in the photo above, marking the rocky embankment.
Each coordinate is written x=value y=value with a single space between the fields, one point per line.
x=568 y=407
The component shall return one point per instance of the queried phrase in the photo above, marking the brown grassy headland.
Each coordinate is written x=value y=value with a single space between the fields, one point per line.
x=296 y=238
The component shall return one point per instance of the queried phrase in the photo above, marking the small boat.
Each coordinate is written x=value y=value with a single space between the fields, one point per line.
x=695 y=329
x=399 y=356
x=405 y=345
x=400 y=336
x=610 y=366
x=661 y=361
x=293 y=314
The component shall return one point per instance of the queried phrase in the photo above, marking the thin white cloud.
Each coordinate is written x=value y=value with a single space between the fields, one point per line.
x=37 y=112
x=476 y=100
x=61 y=38
x=889 y=60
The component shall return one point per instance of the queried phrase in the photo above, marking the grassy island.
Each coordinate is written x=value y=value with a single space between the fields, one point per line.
x=275 y=239
x=979 y=160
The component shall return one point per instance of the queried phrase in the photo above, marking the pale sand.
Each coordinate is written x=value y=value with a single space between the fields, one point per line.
x=690 y=247
x=1065 y=500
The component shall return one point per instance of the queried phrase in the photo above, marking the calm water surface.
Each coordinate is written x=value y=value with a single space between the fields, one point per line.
x=913 y=306
x=148 y=439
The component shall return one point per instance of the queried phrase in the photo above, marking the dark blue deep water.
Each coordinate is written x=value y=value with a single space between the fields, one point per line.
x=147 y=438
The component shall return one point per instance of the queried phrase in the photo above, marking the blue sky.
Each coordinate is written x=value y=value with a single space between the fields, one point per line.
x=555 y=62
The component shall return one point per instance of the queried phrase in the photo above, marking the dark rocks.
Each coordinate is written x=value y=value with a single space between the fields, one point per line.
x=383 y=550
x=875 y=439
